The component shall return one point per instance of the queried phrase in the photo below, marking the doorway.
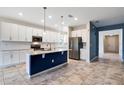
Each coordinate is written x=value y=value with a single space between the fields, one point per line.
x=110 y=44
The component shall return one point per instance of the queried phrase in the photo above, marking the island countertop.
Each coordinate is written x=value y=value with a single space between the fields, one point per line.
x=45 y=52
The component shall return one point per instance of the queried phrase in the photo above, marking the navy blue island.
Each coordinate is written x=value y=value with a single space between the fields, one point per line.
x=42 y=61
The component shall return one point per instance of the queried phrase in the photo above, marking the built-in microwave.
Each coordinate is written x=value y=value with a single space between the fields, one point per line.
x=36 y=39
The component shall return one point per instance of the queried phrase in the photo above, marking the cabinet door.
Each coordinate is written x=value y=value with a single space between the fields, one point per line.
x=78 y=33
x=5 y=31
x=15 y=57
x=73 y=33
x=61 y=38
x=40 y=32
x=50 y=36
x=55 y=35
x=35 y=32
x=1 y=63
x=6 y=58
x=22 y=56
x=14 y=32
x=22 y=33
x=29 y=34
x=45 y=36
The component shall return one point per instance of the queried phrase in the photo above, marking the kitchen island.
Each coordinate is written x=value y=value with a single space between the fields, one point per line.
x=42 y=61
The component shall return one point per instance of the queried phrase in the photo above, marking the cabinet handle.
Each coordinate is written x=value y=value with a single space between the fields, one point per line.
x=52 y=60
x=43 y=55
x=62 y=52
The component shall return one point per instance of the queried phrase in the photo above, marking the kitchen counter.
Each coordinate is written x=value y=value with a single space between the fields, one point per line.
x=41 y=61
x=45 y=51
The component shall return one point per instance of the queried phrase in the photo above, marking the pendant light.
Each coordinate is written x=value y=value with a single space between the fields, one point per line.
x=44 y=20
x=62 y=23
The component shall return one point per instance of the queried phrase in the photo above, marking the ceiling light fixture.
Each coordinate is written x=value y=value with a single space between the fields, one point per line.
x=44 y=20
x=75 y=19
x=20 y=14
x=50 y=17
x=62 y=20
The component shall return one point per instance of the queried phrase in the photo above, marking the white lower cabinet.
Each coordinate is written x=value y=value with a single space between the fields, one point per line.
x=14 y=57
x=1 y=62
x=22 y=56
x=83 y=54
x=6 y=58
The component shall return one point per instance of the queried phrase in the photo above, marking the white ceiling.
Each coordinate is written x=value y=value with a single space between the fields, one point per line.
x=105 y=16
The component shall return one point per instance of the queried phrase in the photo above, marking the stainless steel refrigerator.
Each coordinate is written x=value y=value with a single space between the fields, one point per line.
x=75 y=43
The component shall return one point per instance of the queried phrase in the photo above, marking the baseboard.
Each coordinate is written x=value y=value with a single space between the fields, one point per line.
x=94 y=58
x=11 y=65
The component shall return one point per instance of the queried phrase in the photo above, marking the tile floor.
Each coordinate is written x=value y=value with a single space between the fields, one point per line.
x=100 y=72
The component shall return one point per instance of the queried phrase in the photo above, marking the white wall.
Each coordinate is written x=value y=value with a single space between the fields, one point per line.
x=102 y=34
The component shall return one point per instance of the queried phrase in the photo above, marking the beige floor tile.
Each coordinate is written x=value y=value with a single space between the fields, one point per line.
x=100 y=72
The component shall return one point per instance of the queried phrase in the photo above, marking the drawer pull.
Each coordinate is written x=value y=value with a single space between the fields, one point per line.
x=52 y=60
x=43 y=55
x=62 y=52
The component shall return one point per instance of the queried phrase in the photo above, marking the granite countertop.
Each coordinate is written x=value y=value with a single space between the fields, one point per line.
x=45 y=52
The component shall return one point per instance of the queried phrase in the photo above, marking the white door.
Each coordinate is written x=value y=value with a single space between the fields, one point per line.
x=22 y=33
x=15 y=57
x=5 y=31
x=14 y=32
x=7 y=58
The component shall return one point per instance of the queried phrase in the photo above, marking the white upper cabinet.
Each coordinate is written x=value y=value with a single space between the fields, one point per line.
x=5 y=31
x=79 y=33
x=34 y=32
x=22 y=32
x=14 y=32
x=9 y=32
x=37 y=32
x=40 y=32
x=29 y=34
x=45 y=36
x=74 y=34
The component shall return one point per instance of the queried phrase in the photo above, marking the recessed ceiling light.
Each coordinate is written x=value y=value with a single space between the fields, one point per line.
x=20 y=14
x=63 y=23
x=42 y=21
x=50 y=17
x=75 y=19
